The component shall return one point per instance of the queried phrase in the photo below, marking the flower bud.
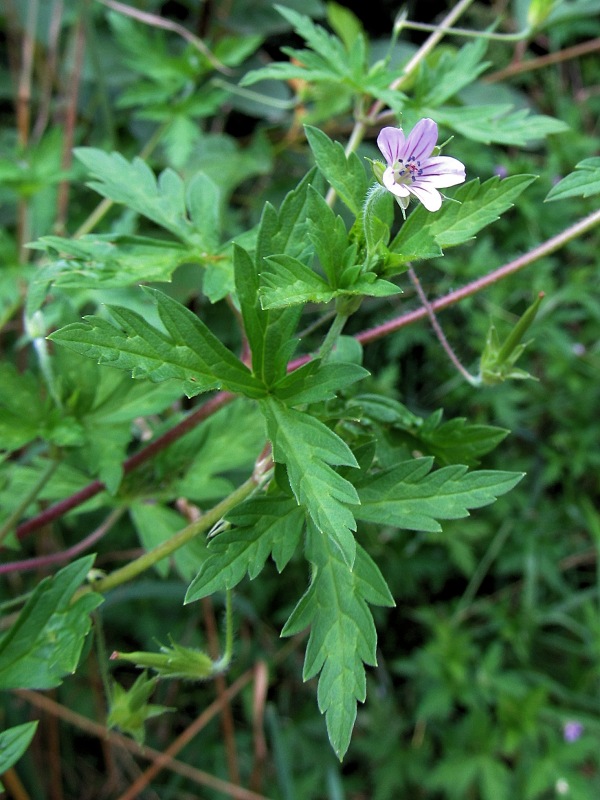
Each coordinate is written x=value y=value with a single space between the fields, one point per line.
x=538 y=12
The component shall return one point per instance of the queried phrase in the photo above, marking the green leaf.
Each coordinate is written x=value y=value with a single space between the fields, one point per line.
x=263 y=526
x=21 y=411
x=286 y=281
x=316 y=382
x=452 y=71
x=410 y=496
x=584 y=182
x=327 y=59
x=285 y=231
x=455 y=441
x=189 y=352
x=309 y=449
x=497 y=123
x=476 y=206
x=13 y=743
x=377 y=219
x=129 y=708
x=329 y=237
x=45 y=642
x=345 y=24
x=342 y=636
x=345 y=174
x=113 y=260
x=270 y=332
x=289 y=282
x=203 y=200
x=134 y=184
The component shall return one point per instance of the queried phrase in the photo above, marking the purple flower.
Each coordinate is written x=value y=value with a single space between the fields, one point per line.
x=572 y=730
x=412 y=170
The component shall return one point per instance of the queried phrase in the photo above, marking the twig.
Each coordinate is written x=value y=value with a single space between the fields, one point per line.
x=161 y=760
x=366 y=337
x=520 y=67
x=438 y=329
x=545 y=249
x=24 y=119
x=49 y=71
x=95 y=487
x=167 y=25
x=12 y=783
x=70 y=119
x=39 y=562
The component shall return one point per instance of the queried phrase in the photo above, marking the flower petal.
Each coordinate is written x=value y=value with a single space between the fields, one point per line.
x=421 y=140
x=443 y=171
x=391 y=143
x=428 y=195
x=399 y=189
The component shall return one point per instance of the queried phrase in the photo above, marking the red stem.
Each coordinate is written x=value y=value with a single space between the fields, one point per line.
x=366 y=337
x=95 y=487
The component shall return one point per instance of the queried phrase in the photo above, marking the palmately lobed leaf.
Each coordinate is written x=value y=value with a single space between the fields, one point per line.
x=497 y=123
x=410 y=496
x=191 y=213
x=583 y=182
x=477 y=205
x=189 y=352
x=45 y=642
x=263 y=526
x=345 y=174
x=342 y=637
x=310 y=450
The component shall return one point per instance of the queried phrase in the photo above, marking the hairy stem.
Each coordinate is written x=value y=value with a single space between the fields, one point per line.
x=438 y=330
x=41 y=562
x=365 y=337
x=545 y=249
x=152 y=557
x=333 y=334
x=95 y=487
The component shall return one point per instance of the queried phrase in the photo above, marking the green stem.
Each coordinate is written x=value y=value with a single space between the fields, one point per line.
x=225 y=660
x=468 y=34
x=102 y=655
x=333 y=335
x=152 y=557
x=438 y=330
x=13 y=518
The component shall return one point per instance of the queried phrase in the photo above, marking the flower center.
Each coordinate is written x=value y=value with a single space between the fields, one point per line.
x=405 y=172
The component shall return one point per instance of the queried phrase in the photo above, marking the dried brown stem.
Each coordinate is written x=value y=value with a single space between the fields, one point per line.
x=70 y=120
x=161 y=760
x=167 y=25
x=520 y=67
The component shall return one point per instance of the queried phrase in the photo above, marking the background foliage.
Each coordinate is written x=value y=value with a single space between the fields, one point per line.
x=188 y=119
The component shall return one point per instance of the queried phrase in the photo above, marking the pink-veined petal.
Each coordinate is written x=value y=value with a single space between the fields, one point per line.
x=399 y=189
x=391 y=143
x=443 y=171
x=428 y=195
x=421 y=140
